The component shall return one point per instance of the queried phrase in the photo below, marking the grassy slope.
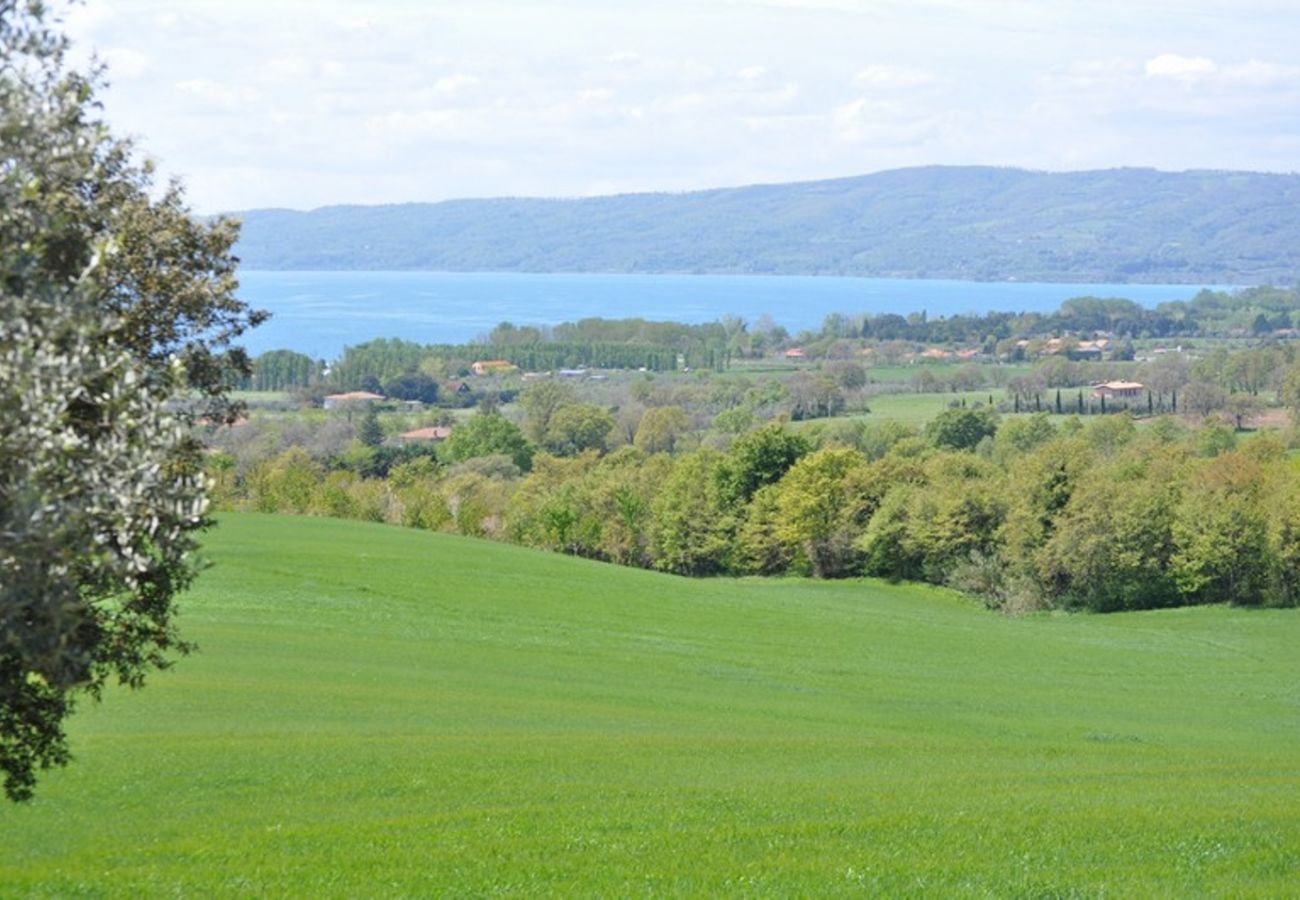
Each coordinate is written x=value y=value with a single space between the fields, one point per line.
x=378 y=710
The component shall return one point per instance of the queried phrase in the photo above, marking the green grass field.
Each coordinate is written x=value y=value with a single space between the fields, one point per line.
x=918 y=409
x=378 y=711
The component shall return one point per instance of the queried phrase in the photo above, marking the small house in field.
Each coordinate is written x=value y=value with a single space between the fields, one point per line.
x=334 y=401
x=1118 y=390
x=432 y=434
x=492 y=367
x=794 y=353
x=1090 y=349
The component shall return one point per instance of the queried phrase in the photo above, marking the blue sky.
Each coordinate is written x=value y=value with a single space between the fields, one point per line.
x=305 y=104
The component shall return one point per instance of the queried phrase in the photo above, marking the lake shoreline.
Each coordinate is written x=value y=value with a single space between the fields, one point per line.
x=321 y=311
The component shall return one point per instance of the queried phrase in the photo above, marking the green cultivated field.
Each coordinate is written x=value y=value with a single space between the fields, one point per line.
x=387 y=711
x=918 y=409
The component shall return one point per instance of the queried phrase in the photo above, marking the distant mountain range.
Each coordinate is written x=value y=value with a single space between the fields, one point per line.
x=972 y=223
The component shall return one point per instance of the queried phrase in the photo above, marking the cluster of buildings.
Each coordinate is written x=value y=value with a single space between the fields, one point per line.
x=432 y=434
x=1092 y=349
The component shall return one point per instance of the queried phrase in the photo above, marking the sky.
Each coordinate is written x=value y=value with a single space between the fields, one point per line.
x=285 y=103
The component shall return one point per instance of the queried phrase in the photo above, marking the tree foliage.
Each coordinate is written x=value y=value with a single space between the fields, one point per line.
x=541 y=400
x=118 y=310
x=282 y=370
x=578 y=427
x=817 y=510
x=761 y=458
x=962 y=429
x=489 y=434
x=660 y=428
x=691 y=524
x=1096 y=516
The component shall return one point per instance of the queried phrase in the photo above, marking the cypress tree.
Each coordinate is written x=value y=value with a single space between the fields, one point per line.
x=369 y=432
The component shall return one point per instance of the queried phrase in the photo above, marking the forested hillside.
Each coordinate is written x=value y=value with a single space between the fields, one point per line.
x=938 y=222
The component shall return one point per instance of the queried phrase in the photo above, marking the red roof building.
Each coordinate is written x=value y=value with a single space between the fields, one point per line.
x=434 y=433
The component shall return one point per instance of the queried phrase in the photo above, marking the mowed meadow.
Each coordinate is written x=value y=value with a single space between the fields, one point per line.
x=377 y=710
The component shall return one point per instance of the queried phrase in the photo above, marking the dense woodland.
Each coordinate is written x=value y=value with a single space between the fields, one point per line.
x=972 y=223
x=1022 y=512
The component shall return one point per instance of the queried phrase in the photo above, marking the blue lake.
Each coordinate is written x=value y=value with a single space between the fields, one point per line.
x=322 y=312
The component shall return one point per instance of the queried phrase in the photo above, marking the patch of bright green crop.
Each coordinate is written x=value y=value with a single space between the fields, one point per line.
x=385 y=711
x=918 y=409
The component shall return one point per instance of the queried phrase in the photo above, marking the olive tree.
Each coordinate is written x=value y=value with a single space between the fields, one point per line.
x=118 y=313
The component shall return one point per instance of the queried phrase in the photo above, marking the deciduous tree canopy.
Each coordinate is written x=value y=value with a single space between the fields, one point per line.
x=118 y=311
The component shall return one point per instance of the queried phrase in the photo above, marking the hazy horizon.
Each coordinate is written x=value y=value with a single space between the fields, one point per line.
x=707 y=189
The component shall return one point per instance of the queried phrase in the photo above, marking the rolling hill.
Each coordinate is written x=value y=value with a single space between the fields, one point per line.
x=384 y=711
x=971 y=223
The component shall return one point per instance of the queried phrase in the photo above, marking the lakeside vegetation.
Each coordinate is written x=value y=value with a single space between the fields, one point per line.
x=382 y=708
x=1255 y=314
x=1002 y=471
x=969 y=223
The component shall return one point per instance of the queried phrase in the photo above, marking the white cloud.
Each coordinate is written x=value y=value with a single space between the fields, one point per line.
x=883 y=122
x=878 y=76
x=1184 y=68
x=783 y=96
x=1092 y=73
x=124 y=62
x=356 y=23
x=225 y=96
x=453 y=84
x=297 y=69
x=850 y=6
x=1256 y=74
x=83 y=21
x=392 y=100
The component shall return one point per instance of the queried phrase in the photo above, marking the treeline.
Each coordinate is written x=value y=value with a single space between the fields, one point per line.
x=1021 y=513
x=590 y=343
x=545 y=357
x=679 y=336
x=636 y=343
x=283 y=370
x=370 y=365
x=1252 y=311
